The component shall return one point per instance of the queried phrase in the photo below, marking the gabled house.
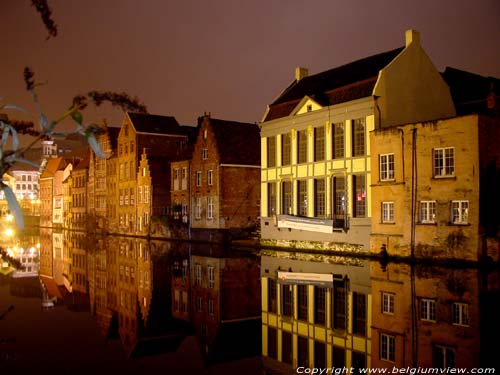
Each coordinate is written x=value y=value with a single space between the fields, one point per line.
x=51 y=194
x=79 y=211
x=225 y=173
x=155 y=136
x=316 y=173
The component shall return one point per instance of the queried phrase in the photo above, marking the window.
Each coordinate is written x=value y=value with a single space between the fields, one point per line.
x=358 y=362
x=444 y=357
x=358 y=137
x=387 y=212
x=183 y=178
x=338 y=141
x=387 y=347
x=286 y=347
x=199 y=304
x=286 y=197
x=427 y=211
x=210 y=306
x=210 y=208
x=359 y=203
x=146 y=194
x=210 y=177
x=204 y=154
x=272 y=343
x=198 y=178
x=444 y=162
x=132 y=196
x=428 y=310
x=339 y=305
x=132 y=146
x=319 y=143
x=302 y=201
x=387 y=303
x=339 y=201
x=271 y=295
x=319 y=354
x=302 y=295
x=197 y=208
x=319 y=305
x=197 y=274
x=459 y=212
x=287 y=300
x=286 y=148
x=176 y=179
x=271 y=152
x=460 y=314
x=303 y=351
x=338 y=356
x=319 y=197
x=302 y=146
x=359 y=314
x=211 y=276
x=139 y=194
x=386 y=167
x=271 y=199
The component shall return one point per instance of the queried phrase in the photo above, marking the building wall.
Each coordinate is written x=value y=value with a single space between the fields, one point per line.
x=180 y=189
x=416 y=145
x=346 y=166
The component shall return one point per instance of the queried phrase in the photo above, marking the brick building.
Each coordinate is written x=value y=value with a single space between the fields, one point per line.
x=225 y=175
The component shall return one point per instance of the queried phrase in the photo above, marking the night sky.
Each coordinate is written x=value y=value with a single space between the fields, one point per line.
x=230 y=58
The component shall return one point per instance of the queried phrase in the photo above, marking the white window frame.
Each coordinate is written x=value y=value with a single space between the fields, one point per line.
x=446 y=167
x=427 y=212
x=204 y=154
x=210 y=208
x=210 y=177
x=386 y=167
x=197 y=208
x=198 y=178
x=197 y=274
x=460 y=314
x=387 y=212
x=211 y=276
x=459 y=212
x=388 y=303
x=387 y=347
x=428 y=309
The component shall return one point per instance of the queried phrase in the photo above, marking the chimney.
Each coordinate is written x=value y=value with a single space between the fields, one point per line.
x=412 y=36
x=300 y=73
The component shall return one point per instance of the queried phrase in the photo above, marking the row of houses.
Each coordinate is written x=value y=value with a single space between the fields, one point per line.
x=385 y=154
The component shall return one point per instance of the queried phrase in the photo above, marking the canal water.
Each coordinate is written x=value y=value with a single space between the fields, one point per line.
x=83 y=304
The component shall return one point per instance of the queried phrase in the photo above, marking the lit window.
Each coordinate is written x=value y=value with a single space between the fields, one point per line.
x=459 y=212
x=387 y=303
x=386 y=167
x=387 y=347
x=427 y=211
x=444 y=162
x=387 y=212
x=460 y=314
x=428 y=310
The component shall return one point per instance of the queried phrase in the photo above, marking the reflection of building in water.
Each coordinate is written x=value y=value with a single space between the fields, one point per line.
x=315 y=313
x=79 y=262
x=220 y=295
x=434 y=317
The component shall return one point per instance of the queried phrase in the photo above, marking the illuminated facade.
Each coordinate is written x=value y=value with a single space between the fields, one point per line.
x=316 y=154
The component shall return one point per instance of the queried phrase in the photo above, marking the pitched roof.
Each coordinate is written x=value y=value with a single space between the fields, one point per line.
x=344 y=83
x=237 y=142
x=113 y=132
x=83 y=164
x=470 y=91
x=53 y=165
x=156 y=124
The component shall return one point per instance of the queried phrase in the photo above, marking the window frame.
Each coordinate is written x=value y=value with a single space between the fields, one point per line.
x=427 y=310
x=427 y=212
x=387 y=304
x=460 y=314
x=387 y=347
x=445 y=169
x=386 y=167
x=387 y=213
x=462 y=213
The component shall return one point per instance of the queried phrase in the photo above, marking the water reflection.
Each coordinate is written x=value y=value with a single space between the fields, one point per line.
x=188 y=303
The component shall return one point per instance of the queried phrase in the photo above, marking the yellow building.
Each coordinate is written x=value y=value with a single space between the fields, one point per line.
x=316 y=167
x=435 y=188
x=315 y=313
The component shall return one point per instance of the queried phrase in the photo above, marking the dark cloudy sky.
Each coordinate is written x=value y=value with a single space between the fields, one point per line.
x=227 y=57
